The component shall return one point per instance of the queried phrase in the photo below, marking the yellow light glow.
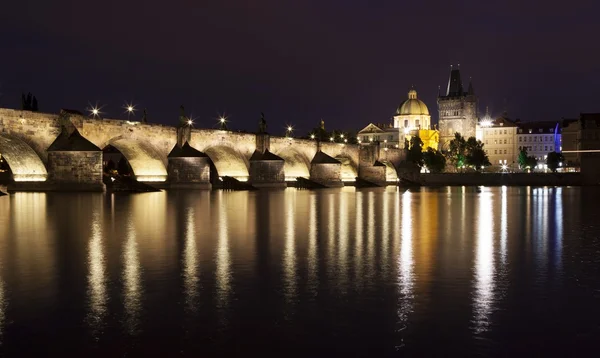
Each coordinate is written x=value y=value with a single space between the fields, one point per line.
x=289 y=128
x=190 y=122
x=222 y=119
x=331 y=139
x=151 y=178
x=341 y=136
x=312 y=136
x=29 y=177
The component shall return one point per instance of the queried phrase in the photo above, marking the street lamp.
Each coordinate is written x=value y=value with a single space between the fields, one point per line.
x=94 y=110
x=331 y=139
x=223 y=123
x=288 y=131
x=312 y=136
x=129 y=109
x=190 y=122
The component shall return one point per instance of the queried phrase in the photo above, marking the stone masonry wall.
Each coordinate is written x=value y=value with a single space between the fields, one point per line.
x=38 y=130
x=266 y=171
x=189 y=170
x=326 y=173
x=75 y=167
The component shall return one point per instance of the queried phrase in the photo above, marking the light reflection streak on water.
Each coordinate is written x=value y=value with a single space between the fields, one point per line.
x=484 y=263
x=358 y=245
x=406 y=264
x=313 y=258
x=385 y=235
x=190 y=264
x=558 y=220
x=331 y=258
x=223 y=260
x=370 y=236
x=289 y=255
x=504 y=226
x=97 y=295
x=132 y=278
x=343 y=238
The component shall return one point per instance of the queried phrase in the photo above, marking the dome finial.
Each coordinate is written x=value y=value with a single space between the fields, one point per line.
x=412 y=94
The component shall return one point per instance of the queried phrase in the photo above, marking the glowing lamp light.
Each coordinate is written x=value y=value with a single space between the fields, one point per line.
x=485 y=123
x=222 y=119
x=504 y=166
x=95 y=111
x=190 y=122
x=130 y=109
x=312 y=136
x=289 y=128
x=341 y=136
x=345 y=140
x=331 y=139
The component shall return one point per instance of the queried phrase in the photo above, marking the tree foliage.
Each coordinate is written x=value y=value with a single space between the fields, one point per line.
x=434 y=160
x=526 y=162
x=553 y=160
x=467 y=152
x=29 y=102
x=414 y=150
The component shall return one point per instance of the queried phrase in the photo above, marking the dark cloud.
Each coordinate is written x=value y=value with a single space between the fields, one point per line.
x=349 y=62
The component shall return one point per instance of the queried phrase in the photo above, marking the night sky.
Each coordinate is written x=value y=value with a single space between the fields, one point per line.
x=348 y=62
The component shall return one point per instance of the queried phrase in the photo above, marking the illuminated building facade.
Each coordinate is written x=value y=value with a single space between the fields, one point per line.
x=499 y=137
x=457 y=110
x=412 y=118
x=539 y=138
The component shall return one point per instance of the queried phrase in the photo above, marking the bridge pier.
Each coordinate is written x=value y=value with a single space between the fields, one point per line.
x=266 y=168
x=74 y=164
x=188 y=168
x=326 y=170
x=369 y=167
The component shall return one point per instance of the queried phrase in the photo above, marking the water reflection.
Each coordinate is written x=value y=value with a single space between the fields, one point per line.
x=406 y=262
x=342 y=248
x=2 y=306
x=484 y=263
x=132 y=277
x=97 y=295
x=313 y=256
x=223 y=259
x=289 y=254
x=358 y=246
x=190 y=265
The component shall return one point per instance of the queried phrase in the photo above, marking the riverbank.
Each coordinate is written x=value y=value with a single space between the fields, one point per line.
x=498 y=179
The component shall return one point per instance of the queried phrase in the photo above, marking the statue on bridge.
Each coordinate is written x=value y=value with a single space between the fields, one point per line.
x=182 y=118
x=262 y=124
x=144 y=116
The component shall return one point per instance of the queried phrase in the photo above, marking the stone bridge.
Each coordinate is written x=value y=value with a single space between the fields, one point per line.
x=66 y=148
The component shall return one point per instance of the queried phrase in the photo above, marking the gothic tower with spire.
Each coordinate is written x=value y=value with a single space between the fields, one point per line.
x=457 y=110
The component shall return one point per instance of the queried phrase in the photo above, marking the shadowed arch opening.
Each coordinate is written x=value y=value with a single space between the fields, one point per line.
x=296 y=163
x=146 y=164
x=349 y=170
x=23 y=161
x=228 y=162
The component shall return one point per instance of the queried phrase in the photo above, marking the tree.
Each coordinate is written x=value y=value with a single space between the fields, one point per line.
x=29 y=102
x=414 y=150
x=526 y=162
x=553 y=160
x=434 y=160
x=475 y=154
x=457 y=151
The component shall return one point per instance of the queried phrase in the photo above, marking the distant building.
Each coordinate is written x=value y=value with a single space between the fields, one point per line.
x=457 y=110
x=571 y=142
x=499 y=139
x=385 y=134
x=412 y=118
x=539 y=138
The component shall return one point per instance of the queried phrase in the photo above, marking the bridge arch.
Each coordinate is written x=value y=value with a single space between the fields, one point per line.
x=229 y=162
x=23 y=161
x=145 y=161
x=349 y=170
x=296 y=163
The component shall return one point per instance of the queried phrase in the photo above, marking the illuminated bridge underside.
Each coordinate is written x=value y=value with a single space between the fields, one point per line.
x=348 y=170
x=24 y=162
x=390 y=172
x=296 y=164
x=228 y=162
x=145 y=162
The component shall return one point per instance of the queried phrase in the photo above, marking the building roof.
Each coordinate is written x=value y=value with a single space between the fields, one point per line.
x=185 y=151
x=412 y=106
x=455 y=87
x=503 y=122
x=70 y=111
x=73 y=142
x=322 y=158
x=589 y=120
x=267 y=155
x=547 y=127
x=377 y=128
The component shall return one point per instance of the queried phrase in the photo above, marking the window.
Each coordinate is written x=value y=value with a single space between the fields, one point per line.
x=546 y=148
x=416 y=123
x=520 y=139
x=535 y=139
x=505 y=141
x=504 y=151
x=520 y=130
x=405 y=123
x=541 y=130
x=495 y=151
x=495 y=141
x=486 y=141
x=391 y=138
x=505 y=131
x=529 y=138
x=551 y=149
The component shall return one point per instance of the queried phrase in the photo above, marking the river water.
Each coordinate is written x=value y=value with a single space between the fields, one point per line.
x=340 y=272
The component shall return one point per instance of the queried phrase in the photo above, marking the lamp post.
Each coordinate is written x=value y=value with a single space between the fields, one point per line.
x=223 y=123
x=288 y=131
x=129 y=109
